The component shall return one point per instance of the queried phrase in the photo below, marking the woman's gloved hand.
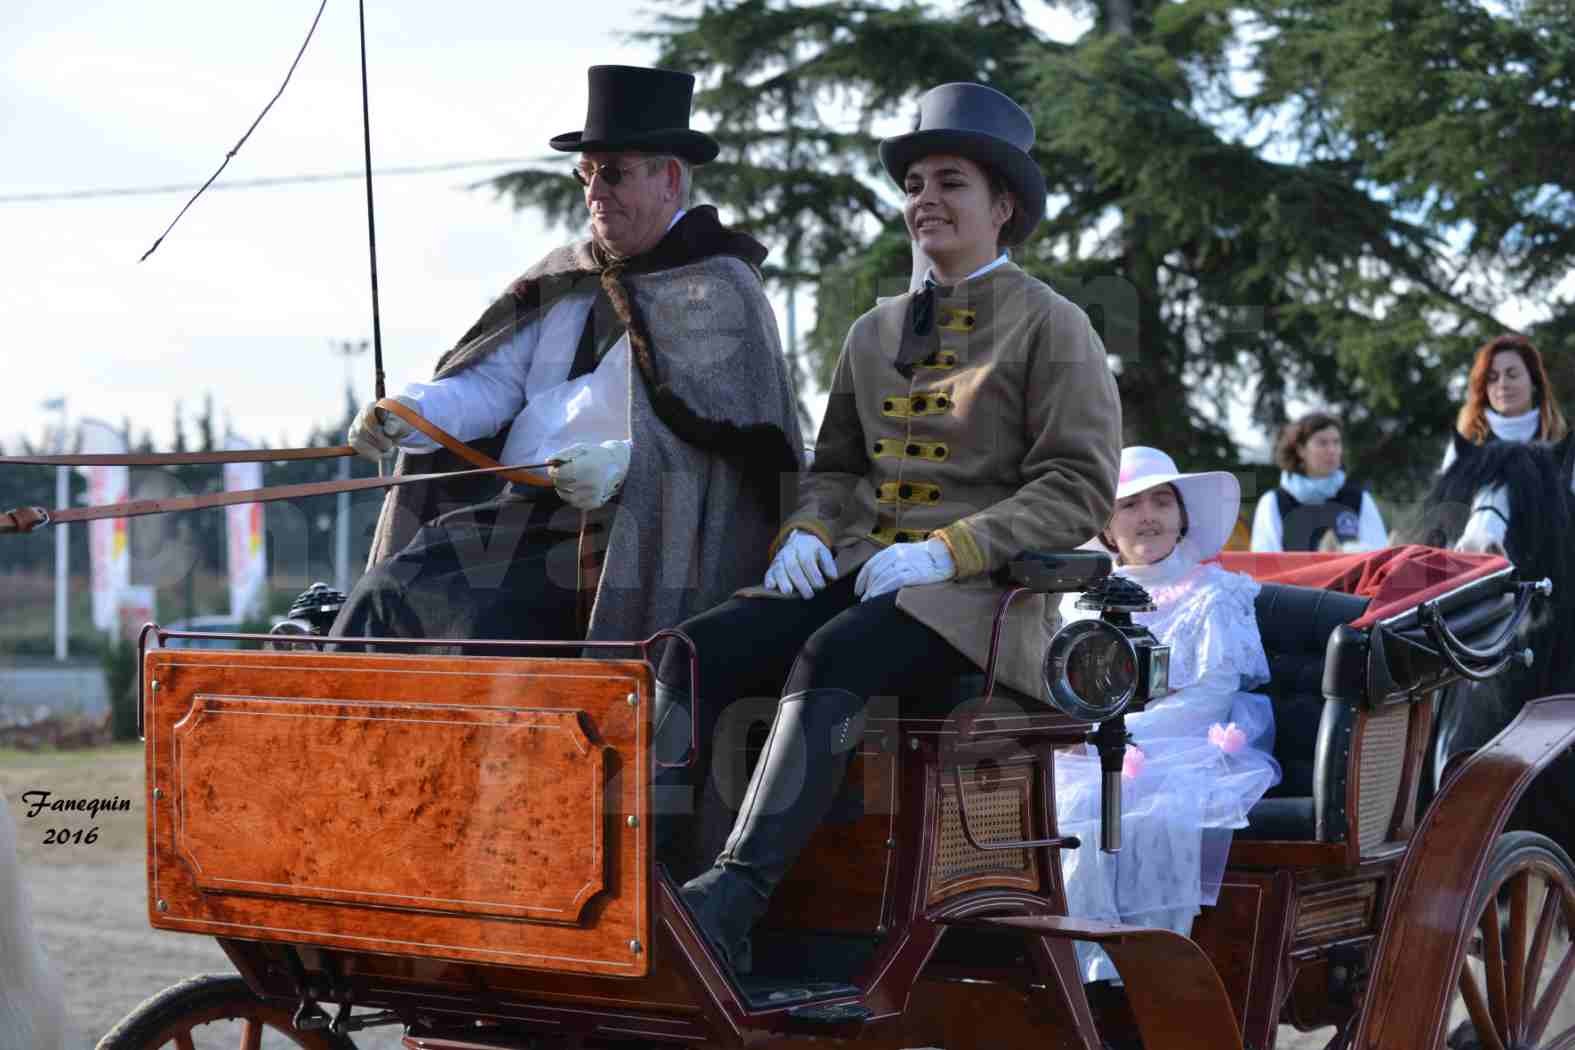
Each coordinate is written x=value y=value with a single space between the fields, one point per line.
x=375 y=432
x=803 y=564
x=904 y=565
x=586 y=476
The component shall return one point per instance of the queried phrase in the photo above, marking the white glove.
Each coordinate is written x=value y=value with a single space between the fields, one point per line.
x=803 y=563
x=904 y=565
x=587 y=476
x=375 y=438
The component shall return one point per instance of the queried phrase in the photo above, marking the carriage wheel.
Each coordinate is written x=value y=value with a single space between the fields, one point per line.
x=1521 y=958
x=173 y=1018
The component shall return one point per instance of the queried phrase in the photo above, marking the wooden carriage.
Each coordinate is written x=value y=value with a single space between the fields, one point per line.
x=462 y=845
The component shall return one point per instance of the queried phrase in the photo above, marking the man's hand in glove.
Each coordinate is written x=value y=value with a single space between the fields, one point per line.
x=802 y=564
x=904 y=565
x=375 y=432
x=587 y=476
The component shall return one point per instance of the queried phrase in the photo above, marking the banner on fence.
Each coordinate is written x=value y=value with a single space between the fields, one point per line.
x=109 y=547
x=248 y=555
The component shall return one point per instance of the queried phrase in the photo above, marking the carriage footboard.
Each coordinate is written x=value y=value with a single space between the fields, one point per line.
x=482 y=810
x=1176 y=995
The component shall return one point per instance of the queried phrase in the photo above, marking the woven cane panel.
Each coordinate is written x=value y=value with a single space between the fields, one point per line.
x=997 y=812
x=1384 y=735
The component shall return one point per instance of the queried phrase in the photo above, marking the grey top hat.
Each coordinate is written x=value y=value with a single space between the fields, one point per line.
x=980 y=123
x=639 y=109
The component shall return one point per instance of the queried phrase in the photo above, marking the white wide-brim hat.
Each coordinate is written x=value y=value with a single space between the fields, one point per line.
x=1212 y=497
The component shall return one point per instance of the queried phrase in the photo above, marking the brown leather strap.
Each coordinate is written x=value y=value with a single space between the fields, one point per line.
x=26 y=519
x=458 y=447
x=176 y=459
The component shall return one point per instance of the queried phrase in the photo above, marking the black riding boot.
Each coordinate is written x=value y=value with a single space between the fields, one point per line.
x=792 y=788
x=672 y=797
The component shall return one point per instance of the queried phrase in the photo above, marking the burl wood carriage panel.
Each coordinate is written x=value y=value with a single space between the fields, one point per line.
x=481 y=810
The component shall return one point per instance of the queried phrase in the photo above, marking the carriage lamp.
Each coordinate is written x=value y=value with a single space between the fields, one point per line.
x=311 y=615
x=1096 y=669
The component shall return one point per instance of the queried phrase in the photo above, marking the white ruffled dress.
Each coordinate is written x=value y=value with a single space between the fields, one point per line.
x=1206 y=757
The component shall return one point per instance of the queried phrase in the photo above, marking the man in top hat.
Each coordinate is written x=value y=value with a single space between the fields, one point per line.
x=644 y=363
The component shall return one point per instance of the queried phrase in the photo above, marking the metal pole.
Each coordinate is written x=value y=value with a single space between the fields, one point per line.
x=62 y=561
x=342 y=534
x=346 y=349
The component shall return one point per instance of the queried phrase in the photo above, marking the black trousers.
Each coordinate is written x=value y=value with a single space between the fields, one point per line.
x=771 y=647
x=753 y=651
x=505 y=569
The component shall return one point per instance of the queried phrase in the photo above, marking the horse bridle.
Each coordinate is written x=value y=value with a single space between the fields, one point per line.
x=1488 y=508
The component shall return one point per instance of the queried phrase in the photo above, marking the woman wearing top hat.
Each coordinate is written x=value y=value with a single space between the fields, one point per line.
x=1202 y=754
x=967 y=422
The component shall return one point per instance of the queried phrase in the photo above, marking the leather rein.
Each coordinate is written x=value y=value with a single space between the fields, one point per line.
x=27 y=519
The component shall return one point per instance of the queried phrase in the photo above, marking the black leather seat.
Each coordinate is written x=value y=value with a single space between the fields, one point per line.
x=1296 y=624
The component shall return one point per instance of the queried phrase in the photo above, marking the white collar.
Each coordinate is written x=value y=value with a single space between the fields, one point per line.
x=929 y=275
x=1172 y=567
x=1523 y=427
x=679 y=214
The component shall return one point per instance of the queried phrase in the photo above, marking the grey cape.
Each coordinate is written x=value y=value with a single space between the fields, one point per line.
x=712 y=418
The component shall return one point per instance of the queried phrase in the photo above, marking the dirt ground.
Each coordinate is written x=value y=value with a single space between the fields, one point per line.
x=91 y=907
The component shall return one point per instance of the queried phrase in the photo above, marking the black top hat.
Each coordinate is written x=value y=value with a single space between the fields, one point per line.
x=980 y=123
x=643 y=110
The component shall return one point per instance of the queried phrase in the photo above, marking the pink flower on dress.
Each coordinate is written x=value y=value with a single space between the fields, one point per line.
x=1228 y=738
x=1132 y=762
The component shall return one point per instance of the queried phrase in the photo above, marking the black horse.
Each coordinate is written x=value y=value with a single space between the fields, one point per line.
x=1514 y=498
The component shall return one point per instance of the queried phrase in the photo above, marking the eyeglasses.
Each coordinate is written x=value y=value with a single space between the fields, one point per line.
x=612 y=174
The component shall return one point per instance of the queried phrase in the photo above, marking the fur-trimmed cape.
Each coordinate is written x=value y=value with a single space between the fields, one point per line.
x=712 y=418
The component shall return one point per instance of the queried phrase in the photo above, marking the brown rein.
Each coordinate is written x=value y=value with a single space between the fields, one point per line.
x=26 y=519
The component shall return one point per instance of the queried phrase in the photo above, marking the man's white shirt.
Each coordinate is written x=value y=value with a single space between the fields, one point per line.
x=526 y=382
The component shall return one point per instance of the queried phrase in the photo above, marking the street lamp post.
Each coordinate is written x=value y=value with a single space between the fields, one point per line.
x=346 y=349
x=62 y=544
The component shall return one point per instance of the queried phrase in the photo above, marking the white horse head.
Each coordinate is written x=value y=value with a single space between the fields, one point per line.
x=32 y=1006
x=1489 y=522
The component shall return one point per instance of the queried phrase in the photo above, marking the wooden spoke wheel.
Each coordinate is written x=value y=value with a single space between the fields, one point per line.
x=214 y=1012
x=1513 y=991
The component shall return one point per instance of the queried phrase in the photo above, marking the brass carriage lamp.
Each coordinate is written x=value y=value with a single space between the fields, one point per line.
x=1096 y=670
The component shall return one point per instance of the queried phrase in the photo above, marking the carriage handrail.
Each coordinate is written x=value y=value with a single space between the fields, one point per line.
x=1060 y=842
x=1495 y=654
x=512 y=643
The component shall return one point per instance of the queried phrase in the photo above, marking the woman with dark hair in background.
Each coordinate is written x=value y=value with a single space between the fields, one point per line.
x=1508 y=398
x=1315 y=506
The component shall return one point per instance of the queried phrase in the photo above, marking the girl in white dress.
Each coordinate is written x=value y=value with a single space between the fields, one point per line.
x=1201 y=755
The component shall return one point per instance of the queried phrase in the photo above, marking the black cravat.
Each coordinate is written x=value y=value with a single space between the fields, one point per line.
x=919 y=336
x=603 y=328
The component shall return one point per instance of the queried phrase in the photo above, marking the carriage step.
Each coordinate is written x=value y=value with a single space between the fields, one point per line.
x=768 y=993
x=832 y=1013
x=1064 y=926
x=1175 y=992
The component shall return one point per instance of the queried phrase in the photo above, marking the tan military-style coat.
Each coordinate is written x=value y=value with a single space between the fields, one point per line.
x=1006 y=437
